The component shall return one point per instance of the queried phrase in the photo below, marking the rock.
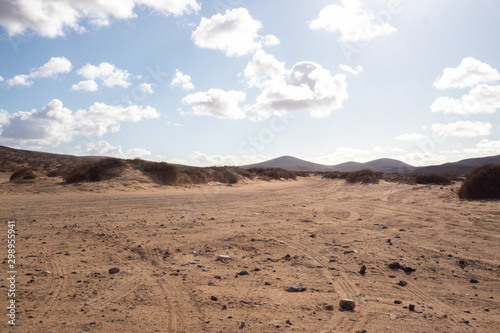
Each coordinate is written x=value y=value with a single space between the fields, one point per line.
x=411 y=307
x=473 y=281
x=362 y=271
x=350 y=251
x=462 y=263
x=398 y=302
x=329 y=307
x=347 y=304
x=213 y=298
x=242 y=273
x=395 y=265
x=402 y=283
x=408 y=269
x=114 y=270
x=267 y=283
x=288 y=322
x=242 y=325
x=223 y=258
x=392 y=316
x=296 y=289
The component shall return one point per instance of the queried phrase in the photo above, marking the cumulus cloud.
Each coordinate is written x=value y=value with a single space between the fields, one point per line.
x=355 y=23
x=462 y=129
x=4 y=117
x=216 y=103
x=469 y=73
x=106 y=73
x=485 y=148
x=54 y=18
x=342 y=154
x=480 y=99
x=410 y=137
x=307 y=86
x=235 y=32
x=181 y=80
x=55 y=66
x=103 y=148
x=55 y=124
x=146 y=88
x=202 y=159
x=87 y=85
x=261 y=68
x=1 y=79
x=348 y=69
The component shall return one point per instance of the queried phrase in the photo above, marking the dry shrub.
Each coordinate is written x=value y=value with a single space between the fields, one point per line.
x=335 y=175
x=103 y=169
x=24 y=174
x=482 y=183
x=435 y=179
x=365 y=176
x=274 y=173
x=161 y=172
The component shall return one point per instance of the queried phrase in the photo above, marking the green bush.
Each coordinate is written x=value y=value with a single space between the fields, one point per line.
x=365 y=176
x=482 y=183
x=432 y=179
x=106 y=168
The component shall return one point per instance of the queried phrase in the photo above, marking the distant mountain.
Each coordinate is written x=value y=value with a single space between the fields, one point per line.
x=289 y=163
x=386 y=165
x=461 y=167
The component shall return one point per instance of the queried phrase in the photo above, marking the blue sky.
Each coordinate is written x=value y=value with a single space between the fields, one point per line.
x=231 y=82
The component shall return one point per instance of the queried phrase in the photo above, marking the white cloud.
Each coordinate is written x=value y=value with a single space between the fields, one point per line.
x=138 y=153
x=87 y=85
x=410 y=137
x=202 y=159
x=55 y=124
x=307 y=86
x=344 y=154
x=355 y=23
x=107 y=73
x=4 y=117
x=480 y=99
x=181 y=80
x=236 y=33
x=55 y=66
x=146 y=88
x=348 y=69
x=103 y=148
x=261 y=68
x=1 y=79
x=54 y=18
x=461 y=129
x=469 y=73
x=485 y=148
x=216 y=103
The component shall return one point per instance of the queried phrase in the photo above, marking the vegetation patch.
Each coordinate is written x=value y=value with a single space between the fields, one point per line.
x=274 y=173
x=365 y=176
x=435 y=179
x=24 y=174
x=103 y=169
x=482 y=183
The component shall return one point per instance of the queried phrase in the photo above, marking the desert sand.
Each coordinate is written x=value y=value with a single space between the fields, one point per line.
x=312 y=232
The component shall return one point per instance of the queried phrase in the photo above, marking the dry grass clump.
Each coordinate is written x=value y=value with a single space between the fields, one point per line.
x=160 y=172
x=435 y=179
x=24 y=174
x=224 y=175
x=482 y=183
x=365 y=176
x=334 y=175
x=103 y=169
x=274 y=174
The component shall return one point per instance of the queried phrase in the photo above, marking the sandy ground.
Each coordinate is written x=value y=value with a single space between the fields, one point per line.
x=313 y=232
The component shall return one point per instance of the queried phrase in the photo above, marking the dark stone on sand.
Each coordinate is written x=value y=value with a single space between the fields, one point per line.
x=329 y=307
x=296 y=289
x=242 y=273
x=411 y=307
x=398 y=302
x=362 y=271
x=395 y=265
x=213 y=298
x=347 y=304
x=473 y=281
x=114 y=270
x=402 y=283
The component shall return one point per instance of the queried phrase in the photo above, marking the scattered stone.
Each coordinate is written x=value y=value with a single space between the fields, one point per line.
x=395 y=265
x=350 y=251
x=347 y=304
x=312 y=235
x=329 y=307
x=393 y=317
x=288 y=322
x=462 y=263
x=398 y=302
x=296 y=289
x=362 y=271
x=473 y=281
x=402 y=283
x=213 y=298
x=242 y=325
x=408 y=269
x=267 y=283
x=222 y=258
x=411 y=307
x=242 y=273
x=114 y=270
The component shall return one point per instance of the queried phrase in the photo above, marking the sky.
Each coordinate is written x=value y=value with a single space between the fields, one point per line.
x=235 y=82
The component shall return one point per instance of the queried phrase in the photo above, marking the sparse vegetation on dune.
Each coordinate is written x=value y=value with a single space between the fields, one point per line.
x=24 y=174
x=434 y=179
x=482 y=183
x=274 y=174
x=364 y=177
x=334 y=175
x=106 y=168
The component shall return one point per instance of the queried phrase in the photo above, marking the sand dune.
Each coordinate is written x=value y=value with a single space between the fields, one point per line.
x=317 y=233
